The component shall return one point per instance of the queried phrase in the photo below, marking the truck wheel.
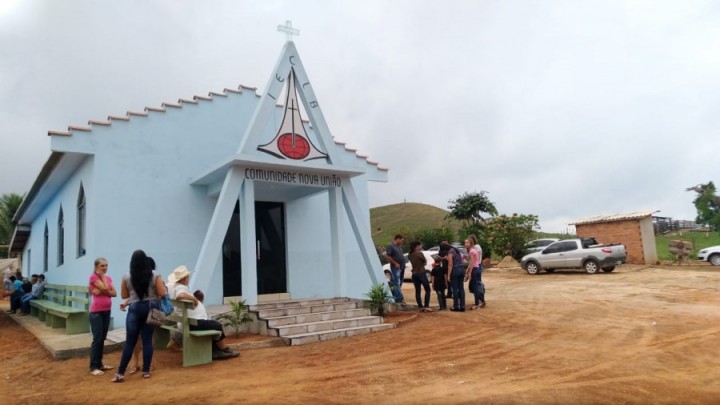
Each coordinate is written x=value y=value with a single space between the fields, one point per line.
x=550 y=270
x=591 y=267
x=714 y=259
x=608 y=269
x=532 y=268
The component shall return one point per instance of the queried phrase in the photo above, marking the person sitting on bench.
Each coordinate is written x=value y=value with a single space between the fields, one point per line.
x=180 y=277
x=35 y=293
x=15 y=293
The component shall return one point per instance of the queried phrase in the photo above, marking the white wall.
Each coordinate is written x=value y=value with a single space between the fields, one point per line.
x=647 y=232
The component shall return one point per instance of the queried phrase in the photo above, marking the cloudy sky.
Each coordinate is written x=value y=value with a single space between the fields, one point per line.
x=562 y=109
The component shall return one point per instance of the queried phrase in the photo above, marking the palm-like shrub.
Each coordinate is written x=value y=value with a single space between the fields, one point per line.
x=378 y=297
x=236 y=318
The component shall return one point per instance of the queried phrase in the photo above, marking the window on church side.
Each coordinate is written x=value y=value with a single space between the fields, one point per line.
x=81 y=223
x=61 y=239
x=45 y=249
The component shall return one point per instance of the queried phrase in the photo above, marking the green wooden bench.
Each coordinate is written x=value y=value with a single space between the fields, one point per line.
x=64 y=306
x=196 y=344
x=52 y=294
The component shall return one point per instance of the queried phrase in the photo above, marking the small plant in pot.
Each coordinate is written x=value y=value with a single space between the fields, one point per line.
x=378 y=297
x=237 y=317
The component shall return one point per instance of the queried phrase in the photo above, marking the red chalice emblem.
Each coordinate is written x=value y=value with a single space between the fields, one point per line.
x=293 y=146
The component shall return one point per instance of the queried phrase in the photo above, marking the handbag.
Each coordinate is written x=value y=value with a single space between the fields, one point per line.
x=155 y=317
x=165 y=304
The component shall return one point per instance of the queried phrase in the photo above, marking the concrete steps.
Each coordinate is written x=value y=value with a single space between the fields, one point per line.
x=314 y=320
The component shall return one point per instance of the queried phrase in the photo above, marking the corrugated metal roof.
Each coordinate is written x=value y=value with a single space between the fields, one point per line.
x=613 y=217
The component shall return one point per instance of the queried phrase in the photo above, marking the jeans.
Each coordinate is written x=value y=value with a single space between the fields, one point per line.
x=25 y=302
x=477 y=286
x=457 y=278
x=396 y=282
x=99 y=325
x=136 y=326
x=15 y=300
x=441 y=298
x=421 y=280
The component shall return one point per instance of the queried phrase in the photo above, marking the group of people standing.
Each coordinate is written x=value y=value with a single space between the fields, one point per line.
x=449 y=273
x=141 y=288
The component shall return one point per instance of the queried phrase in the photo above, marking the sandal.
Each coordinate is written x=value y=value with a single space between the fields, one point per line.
x=106 y=367
x=134 y=370
x=97 y=371
x=146 y=375
x=118 y=378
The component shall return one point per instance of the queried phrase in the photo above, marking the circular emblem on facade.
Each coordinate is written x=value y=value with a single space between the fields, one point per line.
x=293 y=146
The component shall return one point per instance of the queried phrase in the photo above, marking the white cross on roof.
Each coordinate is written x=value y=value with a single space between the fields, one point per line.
x=288 y=30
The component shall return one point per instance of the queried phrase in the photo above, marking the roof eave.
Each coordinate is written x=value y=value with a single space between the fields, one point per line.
x=50 y=165
x=19 y=239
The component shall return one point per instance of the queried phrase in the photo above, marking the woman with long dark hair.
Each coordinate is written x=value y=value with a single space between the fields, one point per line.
x=419 y=278
x=142 y=287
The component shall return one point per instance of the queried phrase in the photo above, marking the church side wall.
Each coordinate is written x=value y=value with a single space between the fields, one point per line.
x=75 y=269
x=144 y=179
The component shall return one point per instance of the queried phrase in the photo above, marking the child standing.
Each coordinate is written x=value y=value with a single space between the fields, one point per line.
x=437 y=279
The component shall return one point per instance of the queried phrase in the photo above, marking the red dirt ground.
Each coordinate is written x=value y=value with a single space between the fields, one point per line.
x=638 y=335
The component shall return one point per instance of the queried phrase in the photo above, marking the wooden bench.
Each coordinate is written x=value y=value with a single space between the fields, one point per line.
x=196 y=344
x=64 y=306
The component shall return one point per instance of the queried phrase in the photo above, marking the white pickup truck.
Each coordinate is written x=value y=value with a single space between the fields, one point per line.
x=579 y=253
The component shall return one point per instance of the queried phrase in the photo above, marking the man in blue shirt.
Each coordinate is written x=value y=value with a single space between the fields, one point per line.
x=15 y=294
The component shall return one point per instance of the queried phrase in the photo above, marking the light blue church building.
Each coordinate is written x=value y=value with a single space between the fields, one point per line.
x=250 y=191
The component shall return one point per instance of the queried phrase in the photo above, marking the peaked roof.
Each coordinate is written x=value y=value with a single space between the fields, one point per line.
x=196 y=99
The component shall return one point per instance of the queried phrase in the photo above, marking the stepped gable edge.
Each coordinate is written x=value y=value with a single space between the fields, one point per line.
x=195 y=100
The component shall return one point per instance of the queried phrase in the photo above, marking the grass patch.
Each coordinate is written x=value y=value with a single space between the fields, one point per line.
x=698 y=239
x=388 y=220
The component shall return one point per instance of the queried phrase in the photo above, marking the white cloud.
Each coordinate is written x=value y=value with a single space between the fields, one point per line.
x=564 y=109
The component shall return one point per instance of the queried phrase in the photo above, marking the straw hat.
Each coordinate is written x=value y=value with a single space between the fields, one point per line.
x=178 y=274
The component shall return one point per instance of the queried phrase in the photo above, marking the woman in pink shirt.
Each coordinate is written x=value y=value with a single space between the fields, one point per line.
x=102 y=291
x=473 y=273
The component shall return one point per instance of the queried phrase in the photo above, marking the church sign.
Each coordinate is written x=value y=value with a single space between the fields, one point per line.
x=292 y=177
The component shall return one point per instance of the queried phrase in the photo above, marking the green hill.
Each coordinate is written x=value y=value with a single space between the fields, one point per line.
x=388 y=220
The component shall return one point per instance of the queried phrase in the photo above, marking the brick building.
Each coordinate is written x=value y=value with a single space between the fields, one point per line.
x=634 y=230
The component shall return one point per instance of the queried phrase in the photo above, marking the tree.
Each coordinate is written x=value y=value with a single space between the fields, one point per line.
x=707 y=204
x=469 y=208
x=506 y=235
x=9 y=204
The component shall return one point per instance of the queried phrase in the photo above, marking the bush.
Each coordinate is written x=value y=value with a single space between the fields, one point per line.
x=237 y=317
x=507 y=235
x=378 y=297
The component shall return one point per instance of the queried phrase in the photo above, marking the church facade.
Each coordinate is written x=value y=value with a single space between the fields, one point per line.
x=257 y=201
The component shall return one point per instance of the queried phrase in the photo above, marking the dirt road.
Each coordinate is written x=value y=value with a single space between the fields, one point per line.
x=638 y=335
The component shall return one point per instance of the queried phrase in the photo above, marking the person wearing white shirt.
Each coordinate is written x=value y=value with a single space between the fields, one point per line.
x=180 y=278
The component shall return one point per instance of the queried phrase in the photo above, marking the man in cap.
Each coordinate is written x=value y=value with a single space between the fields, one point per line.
x=180 y=277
